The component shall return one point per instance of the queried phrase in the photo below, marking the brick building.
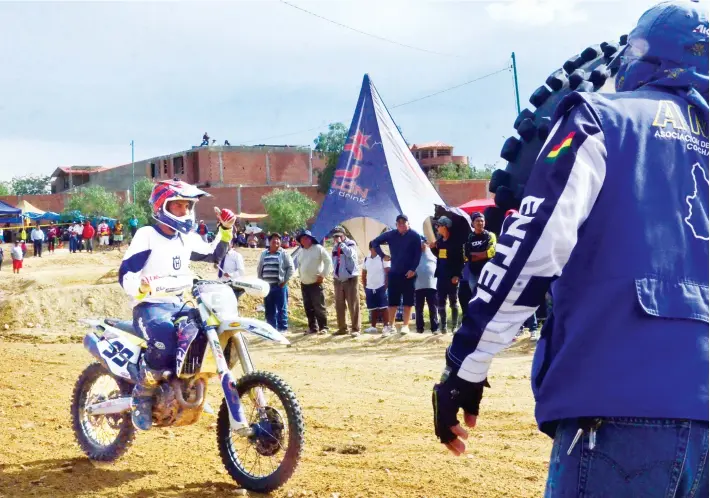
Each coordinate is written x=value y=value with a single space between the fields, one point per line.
x=209 y=166
x=236 y=177
x=431 y=155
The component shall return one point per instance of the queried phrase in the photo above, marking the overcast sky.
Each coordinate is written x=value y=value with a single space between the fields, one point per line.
x=79 y=81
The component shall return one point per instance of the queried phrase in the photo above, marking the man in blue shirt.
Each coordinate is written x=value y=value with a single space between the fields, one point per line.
x=405 y=249
x=615 y=217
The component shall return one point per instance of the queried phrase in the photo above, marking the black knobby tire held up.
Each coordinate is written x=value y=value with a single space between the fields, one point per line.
x=589 y=71
x=81 y=422
x=289 y=456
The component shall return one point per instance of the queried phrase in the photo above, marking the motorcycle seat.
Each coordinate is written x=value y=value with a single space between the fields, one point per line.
x=125 y=325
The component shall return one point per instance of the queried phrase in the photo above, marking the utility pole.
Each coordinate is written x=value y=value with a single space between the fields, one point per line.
x=515 y=79
x=133 y=173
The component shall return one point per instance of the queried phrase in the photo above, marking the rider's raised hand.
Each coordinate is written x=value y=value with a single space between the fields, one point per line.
x=226 y=217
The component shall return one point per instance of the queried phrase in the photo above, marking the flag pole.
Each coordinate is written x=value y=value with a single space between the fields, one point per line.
x=515 y=79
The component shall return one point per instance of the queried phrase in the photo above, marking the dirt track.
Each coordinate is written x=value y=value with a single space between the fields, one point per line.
x=367 y=392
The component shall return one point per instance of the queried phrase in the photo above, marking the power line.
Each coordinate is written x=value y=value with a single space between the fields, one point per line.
x=377 y=37
x=507 y=68
x=450 y=88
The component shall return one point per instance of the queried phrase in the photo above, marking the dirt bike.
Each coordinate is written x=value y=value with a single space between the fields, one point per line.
x=210 y=341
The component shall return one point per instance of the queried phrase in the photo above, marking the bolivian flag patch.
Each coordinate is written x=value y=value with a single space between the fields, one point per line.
x=561 y=148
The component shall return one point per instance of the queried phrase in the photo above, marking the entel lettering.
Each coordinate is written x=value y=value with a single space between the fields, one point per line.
x=492 y=274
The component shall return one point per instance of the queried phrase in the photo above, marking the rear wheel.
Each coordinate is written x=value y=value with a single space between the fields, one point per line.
x=589 y=71
x=101 y=437
x=266 y=460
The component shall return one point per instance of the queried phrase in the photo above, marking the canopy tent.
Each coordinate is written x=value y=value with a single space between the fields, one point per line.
x=376 y=178
x=477 y=205
x=8 y=211
x=29 y=209
x=248 y=216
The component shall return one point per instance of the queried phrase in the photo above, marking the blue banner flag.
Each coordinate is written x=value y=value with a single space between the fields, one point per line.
x=377 y=177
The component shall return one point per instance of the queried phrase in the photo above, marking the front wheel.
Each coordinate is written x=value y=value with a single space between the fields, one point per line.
x=102 y=437
x=267 y=459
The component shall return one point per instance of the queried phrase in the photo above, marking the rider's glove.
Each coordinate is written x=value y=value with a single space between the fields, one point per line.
x=448 y=396
x=226 y=218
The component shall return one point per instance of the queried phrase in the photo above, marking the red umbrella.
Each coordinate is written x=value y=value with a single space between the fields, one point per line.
x=477 y=205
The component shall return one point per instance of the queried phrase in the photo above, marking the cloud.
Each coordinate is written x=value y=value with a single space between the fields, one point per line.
x=537 y=12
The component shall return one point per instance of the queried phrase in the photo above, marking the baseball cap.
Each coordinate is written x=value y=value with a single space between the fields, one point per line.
x=444 y=221
x=402 y=217
x=674 y=31
x=338 y=230
x=476 y=215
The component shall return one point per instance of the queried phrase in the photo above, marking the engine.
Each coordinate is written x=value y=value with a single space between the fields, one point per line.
x=179 y=402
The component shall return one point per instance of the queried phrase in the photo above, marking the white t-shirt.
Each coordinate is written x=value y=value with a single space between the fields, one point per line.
x=233 y=264
x=375 y=268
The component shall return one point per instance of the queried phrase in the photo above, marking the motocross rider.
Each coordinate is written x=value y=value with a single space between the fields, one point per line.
x=155 y=272
x=615 y=217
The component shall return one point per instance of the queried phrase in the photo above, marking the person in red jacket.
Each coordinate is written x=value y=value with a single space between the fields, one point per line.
x=202 y=230
x=88 y=235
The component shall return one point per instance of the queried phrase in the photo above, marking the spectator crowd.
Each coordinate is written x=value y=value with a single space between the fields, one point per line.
x=439 y=277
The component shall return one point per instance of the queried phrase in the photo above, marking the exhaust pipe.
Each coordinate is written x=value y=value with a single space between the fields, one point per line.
x=199 y=385
x=110 y=407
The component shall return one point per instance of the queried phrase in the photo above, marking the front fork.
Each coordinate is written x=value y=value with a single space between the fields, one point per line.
x=237 y=418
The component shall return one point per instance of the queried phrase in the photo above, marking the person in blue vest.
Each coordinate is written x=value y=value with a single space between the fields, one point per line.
x=615 y=217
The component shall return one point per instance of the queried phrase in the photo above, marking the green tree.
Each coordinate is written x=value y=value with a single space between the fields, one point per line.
x=452 y=171
x=31 y=184
x=288 y=210
x=94 y=201
x=5 y=188
x=141 y=208
x=330 y=144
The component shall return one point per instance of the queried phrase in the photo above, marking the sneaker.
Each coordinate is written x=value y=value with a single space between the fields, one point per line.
x=310 y=332
x=386 y=331
x=371 y=330
x=404 y=329
x=340 y=332
x=435 y=332
x=355 y=333
x=323 y=332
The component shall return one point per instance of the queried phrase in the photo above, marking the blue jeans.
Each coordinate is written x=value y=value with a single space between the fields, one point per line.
x=531 y=322
x=72 y=243
x=155 y=320
x=276 y=307
x=473 y=281
x=633 y=457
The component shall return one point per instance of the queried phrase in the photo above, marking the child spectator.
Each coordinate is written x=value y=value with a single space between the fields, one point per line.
x=374 y=278
x=23 y=247
x=17 y=256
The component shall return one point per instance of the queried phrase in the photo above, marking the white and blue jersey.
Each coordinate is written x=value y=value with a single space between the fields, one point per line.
x=165 y=261
x=615 y=214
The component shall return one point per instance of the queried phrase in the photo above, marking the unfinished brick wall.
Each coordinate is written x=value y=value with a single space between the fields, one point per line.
x=242 y=168
x=454 y=193
x=289 y=168
x=457 y=192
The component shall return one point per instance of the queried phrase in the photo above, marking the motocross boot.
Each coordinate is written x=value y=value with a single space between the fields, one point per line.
x=143 y=392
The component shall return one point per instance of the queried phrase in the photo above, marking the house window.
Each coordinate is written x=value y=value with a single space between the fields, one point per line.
x=165 y=167
x=178 y=165
x=443 y=152
x=153 y=170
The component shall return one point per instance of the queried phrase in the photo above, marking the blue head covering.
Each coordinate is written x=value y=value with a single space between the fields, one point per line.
x=669 y=49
